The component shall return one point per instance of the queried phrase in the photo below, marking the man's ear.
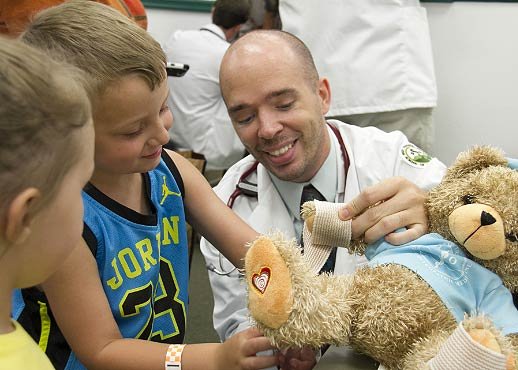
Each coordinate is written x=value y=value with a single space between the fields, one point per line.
x=18 y=216
x=324 y=91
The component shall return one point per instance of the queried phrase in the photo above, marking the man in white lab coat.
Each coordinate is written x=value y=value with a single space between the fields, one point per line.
x=277 y=104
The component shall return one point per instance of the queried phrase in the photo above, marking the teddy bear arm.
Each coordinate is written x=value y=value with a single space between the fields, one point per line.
x=393 y=310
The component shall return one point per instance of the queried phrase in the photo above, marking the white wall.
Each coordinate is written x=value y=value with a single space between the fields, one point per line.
x=475 y=49
x=161 y=23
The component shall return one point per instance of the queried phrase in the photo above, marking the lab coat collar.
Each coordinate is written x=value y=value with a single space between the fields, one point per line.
x=270 y=207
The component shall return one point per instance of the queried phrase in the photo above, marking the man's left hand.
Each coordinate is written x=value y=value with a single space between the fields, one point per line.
x=381 y=209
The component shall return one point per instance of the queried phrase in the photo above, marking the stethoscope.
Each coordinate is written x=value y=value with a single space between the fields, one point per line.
x=247 y=188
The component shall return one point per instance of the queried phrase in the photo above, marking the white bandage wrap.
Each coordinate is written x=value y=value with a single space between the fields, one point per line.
x=461 y=352
x=328 y=232
x=173 y=357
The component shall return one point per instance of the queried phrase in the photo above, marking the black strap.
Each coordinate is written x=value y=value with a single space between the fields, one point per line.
x=174 y=170
x=58 y=351
x=90 y=239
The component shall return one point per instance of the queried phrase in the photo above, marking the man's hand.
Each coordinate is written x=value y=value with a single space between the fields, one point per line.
x=297 y=359
x=381 y=209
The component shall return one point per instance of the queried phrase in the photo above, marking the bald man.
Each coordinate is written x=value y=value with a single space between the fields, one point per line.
x=277 y=103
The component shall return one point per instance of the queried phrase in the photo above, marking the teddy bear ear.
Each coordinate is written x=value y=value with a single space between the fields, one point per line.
x=476 y=158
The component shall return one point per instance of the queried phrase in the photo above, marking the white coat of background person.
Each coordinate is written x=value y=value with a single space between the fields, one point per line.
x=281 y=124
x=378 y=58
x=201 y=121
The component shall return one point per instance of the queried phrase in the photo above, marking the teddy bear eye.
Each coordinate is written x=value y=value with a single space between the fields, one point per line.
x=468 y=199
x=511 y=237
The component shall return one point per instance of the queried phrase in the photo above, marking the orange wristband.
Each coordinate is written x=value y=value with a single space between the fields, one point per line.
x=173 y=357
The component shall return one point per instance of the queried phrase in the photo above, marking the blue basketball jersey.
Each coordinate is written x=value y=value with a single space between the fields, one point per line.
x=143 y=262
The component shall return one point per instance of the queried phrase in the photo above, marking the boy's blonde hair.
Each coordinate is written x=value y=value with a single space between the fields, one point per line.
x=99 y=40
x=43 y=105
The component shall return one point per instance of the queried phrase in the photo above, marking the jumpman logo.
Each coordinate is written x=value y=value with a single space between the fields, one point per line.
x=166 y=192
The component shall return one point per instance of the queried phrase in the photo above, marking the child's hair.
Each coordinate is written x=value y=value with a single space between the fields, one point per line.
x=99 y=40
x=43 y=104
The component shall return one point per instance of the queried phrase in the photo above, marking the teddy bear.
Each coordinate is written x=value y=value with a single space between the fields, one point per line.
x=408 y=300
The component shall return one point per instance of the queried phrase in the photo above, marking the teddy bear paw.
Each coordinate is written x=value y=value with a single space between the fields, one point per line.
x=269 y=283
x=323 y=230
x=474 y=345
x=482 y=331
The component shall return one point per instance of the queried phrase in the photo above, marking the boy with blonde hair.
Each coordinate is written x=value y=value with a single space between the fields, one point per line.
x=128 y=277
x=46 y=157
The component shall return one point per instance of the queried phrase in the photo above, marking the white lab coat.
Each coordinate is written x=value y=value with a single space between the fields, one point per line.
x=376 y=54
x=374 y=155
x=201 y=122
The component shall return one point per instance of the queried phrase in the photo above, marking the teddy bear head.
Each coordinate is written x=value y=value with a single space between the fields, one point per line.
x=476 y=206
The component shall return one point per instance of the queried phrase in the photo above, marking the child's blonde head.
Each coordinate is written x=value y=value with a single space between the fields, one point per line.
x=99 y=40
x=43 y=105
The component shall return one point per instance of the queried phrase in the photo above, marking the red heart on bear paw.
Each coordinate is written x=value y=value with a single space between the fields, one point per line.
x=260 y=280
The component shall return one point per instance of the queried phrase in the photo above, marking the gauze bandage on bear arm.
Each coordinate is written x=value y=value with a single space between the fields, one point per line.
x=461 y=352
x=329 y=231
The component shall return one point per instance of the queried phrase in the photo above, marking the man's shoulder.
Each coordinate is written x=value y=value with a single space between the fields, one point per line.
x=364 y=132
x=361 y=140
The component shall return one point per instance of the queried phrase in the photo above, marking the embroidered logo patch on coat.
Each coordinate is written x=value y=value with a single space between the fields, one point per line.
x=415 y=156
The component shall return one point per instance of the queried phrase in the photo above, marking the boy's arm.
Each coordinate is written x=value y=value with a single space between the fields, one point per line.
x=82 y=312
x=210 y=217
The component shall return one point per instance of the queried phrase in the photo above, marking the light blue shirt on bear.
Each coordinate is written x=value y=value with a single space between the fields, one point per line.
x=463 y=285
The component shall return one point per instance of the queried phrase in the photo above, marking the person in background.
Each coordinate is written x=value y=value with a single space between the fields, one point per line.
x=377 y=56
x=277 y=103
x=120 y=300
x=46 y=157
x=201 y=120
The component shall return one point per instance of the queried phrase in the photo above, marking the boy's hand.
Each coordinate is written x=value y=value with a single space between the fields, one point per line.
x=240 y=352
x=297 y=359
x=381 y=209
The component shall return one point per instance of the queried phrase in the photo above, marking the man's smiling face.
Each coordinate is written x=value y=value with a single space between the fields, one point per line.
x=276 y=110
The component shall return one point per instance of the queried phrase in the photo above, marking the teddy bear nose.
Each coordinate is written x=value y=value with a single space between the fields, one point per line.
x=486 y=219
